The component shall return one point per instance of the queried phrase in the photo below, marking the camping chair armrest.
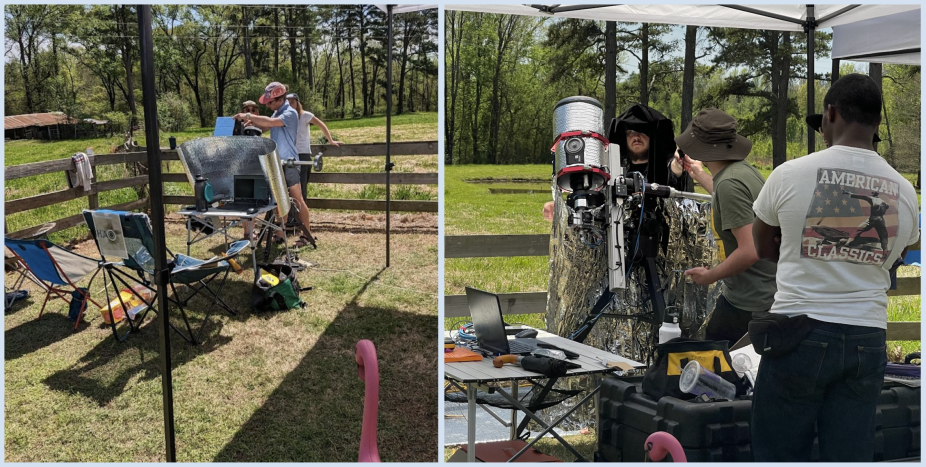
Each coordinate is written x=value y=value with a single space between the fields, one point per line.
x=236 y=247
x=212 y=262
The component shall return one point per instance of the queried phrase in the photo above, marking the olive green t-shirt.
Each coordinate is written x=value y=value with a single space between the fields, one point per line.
x=736 y=187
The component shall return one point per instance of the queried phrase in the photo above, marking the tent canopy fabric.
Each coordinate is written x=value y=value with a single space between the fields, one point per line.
x=791 y=16
x=885 y=39
x=407 y=8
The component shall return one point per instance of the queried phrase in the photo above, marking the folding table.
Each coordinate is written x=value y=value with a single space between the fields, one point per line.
x=264 y=219
x=478 y=374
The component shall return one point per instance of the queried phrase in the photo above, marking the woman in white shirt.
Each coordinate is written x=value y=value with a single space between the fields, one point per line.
x=303 y=139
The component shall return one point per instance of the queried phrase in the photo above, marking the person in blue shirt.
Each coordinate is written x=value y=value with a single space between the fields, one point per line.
x=283 y=126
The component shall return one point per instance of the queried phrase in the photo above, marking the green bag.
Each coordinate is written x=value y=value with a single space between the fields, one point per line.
x=282 y=296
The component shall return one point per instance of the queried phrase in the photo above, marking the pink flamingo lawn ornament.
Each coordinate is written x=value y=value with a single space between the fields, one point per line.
x=660 y=443
x=368 y=369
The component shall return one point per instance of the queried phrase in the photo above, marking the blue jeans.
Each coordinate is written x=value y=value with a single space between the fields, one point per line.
x=831 y=381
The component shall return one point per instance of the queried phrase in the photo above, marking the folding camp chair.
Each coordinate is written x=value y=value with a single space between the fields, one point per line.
x=56 y=268
x=13 y=292
x=194 y=273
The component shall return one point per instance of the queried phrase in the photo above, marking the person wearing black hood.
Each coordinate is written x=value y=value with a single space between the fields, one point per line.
x=647 y=142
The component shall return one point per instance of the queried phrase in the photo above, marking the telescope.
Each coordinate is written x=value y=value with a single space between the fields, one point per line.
x=602 y=201
x=607 y=205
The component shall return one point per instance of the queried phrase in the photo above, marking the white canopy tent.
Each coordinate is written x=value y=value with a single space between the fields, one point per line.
x=882 y=35
x=885 y=39
x=777 y=17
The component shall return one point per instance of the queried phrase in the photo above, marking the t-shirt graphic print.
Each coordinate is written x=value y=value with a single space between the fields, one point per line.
x=852 y=218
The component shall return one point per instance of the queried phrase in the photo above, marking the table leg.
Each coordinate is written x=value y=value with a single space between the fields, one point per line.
x=189 y=228
x=514 y=412
x=471 y=422
x=547 y=428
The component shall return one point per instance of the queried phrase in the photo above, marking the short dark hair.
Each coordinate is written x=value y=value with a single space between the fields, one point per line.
x=856 y=98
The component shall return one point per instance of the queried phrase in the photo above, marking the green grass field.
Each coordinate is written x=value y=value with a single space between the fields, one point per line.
x=412 y=127
x=278 y=386
x=470 y=209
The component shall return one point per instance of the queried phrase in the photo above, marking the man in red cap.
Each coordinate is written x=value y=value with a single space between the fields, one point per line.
x=283 y=125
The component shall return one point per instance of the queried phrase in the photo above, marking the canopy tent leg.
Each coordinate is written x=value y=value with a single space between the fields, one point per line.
x=157 y=221
x=389 y=164
x=810 y=27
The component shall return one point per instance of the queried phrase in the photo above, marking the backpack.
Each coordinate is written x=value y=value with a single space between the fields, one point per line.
x=278 y=295
x=662 y=377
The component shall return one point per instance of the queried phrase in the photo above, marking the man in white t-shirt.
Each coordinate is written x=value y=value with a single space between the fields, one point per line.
x=810 y=219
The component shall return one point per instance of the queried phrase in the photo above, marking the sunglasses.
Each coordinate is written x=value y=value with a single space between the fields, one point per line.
x=249 y=109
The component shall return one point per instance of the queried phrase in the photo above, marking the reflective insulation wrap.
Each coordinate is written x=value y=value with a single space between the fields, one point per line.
x=580 y=114
x=578 y=277
x=220 y=158
x=273 y=169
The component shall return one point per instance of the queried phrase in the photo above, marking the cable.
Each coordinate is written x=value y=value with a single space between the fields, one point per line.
x=636 y=247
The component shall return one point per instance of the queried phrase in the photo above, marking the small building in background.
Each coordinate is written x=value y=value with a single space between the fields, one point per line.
x=52 y=126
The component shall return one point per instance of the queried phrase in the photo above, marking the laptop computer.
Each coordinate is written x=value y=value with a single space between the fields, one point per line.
x=250 y=191
x=486 y=311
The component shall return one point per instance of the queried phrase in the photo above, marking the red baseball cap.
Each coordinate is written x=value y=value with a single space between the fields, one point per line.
x=273 y=91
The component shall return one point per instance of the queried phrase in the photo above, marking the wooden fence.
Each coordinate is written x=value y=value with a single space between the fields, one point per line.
x=492 y=246
x=352 y=150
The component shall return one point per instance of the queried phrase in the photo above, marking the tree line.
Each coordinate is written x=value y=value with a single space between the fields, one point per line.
x=504 y=74
x=83 y=60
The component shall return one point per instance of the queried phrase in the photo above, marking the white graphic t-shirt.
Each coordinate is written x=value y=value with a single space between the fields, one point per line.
x=845 y=217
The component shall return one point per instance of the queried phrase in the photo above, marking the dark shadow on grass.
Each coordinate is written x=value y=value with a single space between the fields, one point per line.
x=316 y=412
x=104 y=372
x=35 y=334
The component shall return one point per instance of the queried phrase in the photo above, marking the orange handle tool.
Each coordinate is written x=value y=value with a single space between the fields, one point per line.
x=503 y=359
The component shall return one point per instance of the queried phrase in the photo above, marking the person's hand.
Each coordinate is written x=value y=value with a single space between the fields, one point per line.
x=693 y=167
x=700 y=275
x=239 y=116
x=677 y=165
x=335 y=143
x=548 y=211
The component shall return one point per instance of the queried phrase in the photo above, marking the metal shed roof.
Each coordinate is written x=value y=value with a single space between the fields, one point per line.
x=43 y=119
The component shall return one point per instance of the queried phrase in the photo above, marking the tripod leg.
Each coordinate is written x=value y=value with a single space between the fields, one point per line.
x=655 y=290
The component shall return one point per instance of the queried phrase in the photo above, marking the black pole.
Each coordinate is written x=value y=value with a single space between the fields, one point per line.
x=388 y=118
x=610 y=73
x=810 y=28
x=152 y=141
x=835 y=74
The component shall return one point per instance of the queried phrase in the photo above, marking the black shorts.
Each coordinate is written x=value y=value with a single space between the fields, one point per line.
x=292 y=176
x=727 y=322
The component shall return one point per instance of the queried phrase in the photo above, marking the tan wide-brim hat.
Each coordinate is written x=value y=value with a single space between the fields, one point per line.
x=712 y=136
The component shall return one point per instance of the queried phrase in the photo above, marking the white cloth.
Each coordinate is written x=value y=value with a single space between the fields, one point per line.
x=304 y=135
x=835 y=252
x=84 y=172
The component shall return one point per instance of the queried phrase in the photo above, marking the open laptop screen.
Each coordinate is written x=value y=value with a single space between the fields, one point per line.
x=250 y=187
x=486 y=312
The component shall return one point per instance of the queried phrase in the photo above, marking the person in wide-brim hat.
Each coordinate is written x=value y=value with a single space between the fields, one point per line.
x=815 y=122
x=748 y=283
x=712 y=136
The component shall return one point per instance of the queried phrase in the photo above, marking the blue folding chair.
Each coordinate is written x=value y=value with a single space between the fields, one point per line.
x=194 y=273
x=57 y=269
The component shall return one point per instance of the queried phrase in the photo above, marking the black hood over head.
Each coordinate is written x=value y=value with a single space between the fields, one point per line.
x=660 y=130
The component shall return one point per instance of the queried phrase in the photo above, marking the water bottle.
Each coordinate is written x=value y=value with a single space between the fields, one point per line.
x=669 y=330
x=202 y=191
